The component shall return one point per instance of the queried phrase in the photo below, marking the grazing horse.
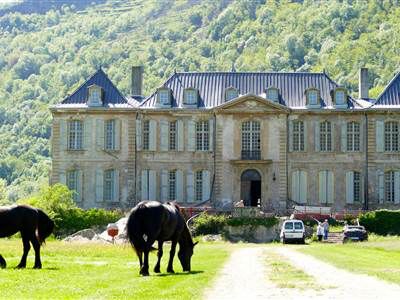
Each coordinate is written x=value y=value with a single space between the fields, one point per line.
x=33 y=224
x=151 y=221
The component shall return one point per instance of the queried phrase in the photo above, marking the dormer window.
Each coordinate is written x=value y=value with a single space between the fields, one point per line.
x=190 y=97
x=94 y=95
x=313 y=98
x=231 y=93
x=272 y=94
x=340 y=98
x=164 y=97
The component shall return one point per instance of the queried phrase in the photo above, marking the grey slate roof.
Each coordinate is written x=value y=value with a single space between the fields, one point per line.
x=212 y=87
x=391 y=94
x=111 y=95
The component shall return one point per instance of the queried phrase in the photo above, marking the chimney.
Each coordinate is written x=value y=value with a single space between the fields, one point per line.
x=137 y=81
x=363 y=86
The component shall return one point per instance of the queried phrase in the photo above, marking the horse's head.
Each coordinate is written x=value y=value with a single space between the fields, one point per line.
x=185 y=255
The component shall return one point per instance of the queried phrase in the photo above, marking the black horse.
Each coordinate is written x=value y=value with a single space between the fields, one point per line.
x=33 y=224
x=152 y=221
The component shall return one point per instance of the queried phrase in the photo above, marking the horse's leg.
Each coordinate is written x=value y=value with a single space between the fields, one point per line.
x=140 y=256
x=3 y=263
x=144 y=270
x=170 y=268
x=159 y=255
x=27 y=247
x=36 y=247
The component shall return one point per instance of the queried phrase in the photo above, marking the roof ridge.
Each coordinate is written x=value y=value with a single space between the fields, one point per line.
x=250 y=72
x=386 y=88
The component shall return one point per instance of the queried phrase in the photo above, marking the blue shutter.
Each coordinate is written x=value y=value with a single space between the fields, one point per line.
x=379 y=136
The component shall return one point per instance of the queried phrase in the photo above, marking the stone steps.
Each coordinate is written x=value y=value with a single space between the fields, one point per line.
x=334 y=238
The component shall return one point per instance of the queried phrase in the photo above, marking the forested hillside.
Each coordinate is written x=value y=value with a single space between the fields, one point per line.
x=43 y=57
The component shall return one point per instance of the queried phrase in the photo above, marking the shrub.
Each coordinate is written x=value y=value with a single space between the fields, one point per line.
x=382 y=221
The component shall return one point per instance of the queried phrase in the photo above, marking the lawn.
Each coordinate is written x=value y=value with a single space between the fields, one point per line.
x=96 y=271
x=379 y=257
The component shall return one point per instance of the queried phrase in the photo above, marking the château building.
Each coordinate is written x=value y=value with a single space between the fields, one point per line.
x=280 y=138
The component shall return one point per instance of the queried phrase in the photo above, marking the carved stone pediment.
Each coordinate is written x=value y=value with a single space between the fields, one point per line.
x=252 y=104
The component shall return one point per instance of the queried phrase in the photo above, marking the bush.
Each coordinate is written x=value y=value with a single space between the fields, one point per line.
x=267 y=222
x=382 y=222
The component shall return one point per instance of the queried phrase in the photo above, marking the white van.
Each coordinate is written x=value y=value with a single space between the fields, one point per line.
x=293 y=231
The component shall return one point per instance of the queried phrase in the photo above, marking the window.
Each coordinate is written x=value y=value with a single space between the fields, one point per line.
x=326 y=187
x=190 y=97
x=299 y=186
x=146 y=134
x=202 y=136
x=163 y=97
x=251 y=141
x=272 y=94
x=391 y=136
x=357 y=186
x=75 y=135
x=340 y=97
x=389 y=186
x=312 y=97
x=325 y=134
x=172 y=135
x=172 y=185
x=109 y=137
x=94 y=96
x=289 y=225
x=72 y=183
x=298 y=136
x=199 y=186
x=231 y=93
x=108 y=185
x=353 y=136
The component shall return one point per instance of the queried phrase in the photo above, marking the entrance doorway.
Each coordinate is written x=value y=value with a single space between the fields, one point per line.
x=250 y=187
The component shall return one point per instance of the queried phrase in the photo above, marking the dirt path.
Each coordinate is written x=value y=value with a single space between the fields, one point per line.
x=244 y=276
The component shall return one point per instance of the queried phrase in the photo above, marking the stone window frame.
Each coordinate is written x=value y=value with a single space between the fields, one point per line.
x=298 y=136
x=75 y=134
x=389 y=186
x=198 y=185
x=172 y=185
x=202 y=130
x=230 y=90
x=108 y=185
x=308 y=97
x=325 y=136
x=109 y=134
x=173 y=132
x=270 y=89
x=391 y=136
x=146 y=135
x=251 y=135
x=353 y=136
x=71 y=181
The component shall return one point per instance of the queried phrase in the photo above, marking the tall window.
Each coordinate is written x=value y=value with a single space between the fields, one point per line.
x=146 y=134
x=325 y=136
x=163 y=97
x=298 y=136
x=357 y=186
x=75 y=135
x=231 y=94
x=272 y=94
x=202 y=136
x=109 y=137
x=172 y=135
x=389 y=186
x=312 y=97
x=172 y=185
x=72 y=183
x=353 y=136
x=199 y=186
x=251 y=141
x=108 y=185
x=391 y=136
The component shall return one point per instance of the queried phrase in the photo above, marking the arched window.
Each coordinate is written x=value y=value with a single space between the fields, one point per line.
x=391 y=136
x=272 y=94
x=231 y=93
x=251 y=143
x=325 y=136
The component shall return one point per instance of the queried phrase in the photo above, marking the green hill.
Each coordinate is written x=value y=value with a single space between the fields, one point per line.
x=43 y=57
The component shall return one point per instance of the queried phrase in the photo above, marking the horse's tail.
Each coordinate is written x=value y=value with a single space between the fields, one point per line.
x=137 y=235
x=45 y=226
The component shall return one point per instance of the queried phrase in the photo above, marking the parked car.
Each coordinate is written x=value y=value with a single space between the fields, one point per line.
x=293 y=231
x=354 y=233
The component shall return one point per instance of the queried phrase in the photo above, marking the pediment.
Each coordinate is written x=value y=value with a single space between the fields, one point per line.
x=252 y=103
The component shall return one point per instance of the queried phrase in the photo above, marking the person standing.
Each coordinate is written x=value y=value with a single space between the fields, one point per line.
x=325 y=225
x=320 y=231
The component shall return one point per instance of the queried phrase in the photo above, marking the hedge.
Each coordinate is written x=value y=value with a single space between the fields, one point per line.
x=382 y=221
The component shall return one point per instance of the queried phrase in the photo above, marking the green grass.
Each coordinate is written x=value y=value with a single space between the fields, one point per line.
x=94 y=271
x=379 y=257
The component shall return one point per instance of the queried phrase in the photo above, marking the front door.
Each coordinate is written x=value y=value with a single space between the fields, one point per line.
x=250 y=187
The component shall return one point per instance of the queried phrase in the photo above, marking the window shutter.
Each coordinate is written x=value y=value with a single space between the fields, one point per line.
x=99 y=185
x=63 y=135
x=152 y=135
x=295 y=186
x=62 y=178
x=206 y=185
x=179 y=185
x=79 y=185
x=316 y=136
x=305 y=135
x=322 y=186
x=291 y=137
x=100 y=134
x=381 y=186
x=139 y=135
x=362 y=126
x=379 y=136
x=343 y=137
x=333 y=142
x=152 y=185
x=164 y=135
x=190 y=186
x=164 y=185
x=330 y=187
x=87 y=133
x=211 y=134
x=191 y=126
x=181 y=142
x=117 y=133
x=397 y=187
x=350 y=187
x=116 y=186
x=145 y=185
x=303 y=187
